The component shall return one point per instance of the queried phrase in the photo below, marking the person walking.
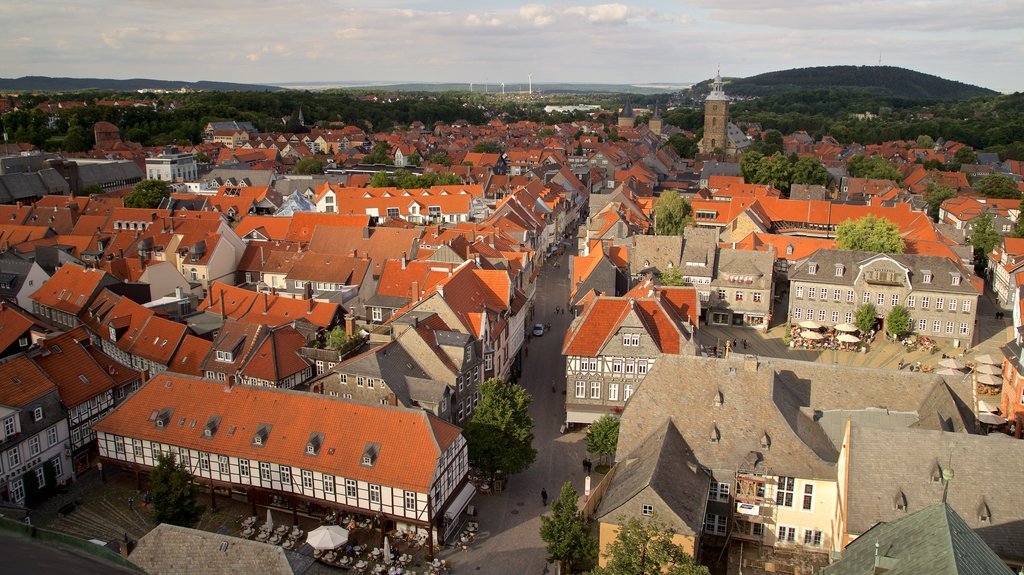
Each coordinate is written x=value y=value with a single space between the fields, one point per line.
x=588 y=465
x=544 y=496
x=131 y=503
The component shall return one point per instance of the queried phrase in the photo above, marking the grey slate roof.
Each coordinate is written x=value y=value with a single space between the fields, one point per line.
x=986 y=480
x=719 y=169
x=941 y=268
x=252 y=177
x=780 y=398
x=662 y=472
x=106 y=172
x=934 y=540
x=747 y=264
x=172 y=550
x=654 y=253
x=27 y=186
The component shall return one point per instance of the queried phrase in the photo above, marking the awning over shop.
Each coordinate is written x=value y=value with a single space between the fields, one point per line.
x=587 y=417
x=458 y=505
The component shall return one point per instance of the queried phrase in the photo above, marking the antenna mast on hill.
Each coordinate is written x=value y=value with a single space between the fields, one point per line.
x=879 y=57
x=503 y=88
x=530 y=76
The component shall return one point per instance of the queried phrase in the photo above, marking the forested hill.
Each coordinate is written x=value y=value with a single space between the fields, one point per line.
x=881 y=80
x=48 y=84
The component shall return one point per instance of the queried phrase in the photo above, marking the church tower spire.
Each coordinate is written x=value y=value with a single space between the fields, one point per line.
x=716 y=121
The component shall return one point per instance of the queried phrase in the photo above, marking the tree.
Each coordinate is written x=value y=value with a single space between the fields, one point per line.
x=337 y=338
x=381 y=154
x=414 y=159
x=877 y=168
x=925 y=141
x=935 y=194
x=308 y=167
x=672 y=277
x=897 y=322
x=984 y=238
x=671 y=214
x=500 y=435
x=147 y=194
x=381 y=180
x=870 y=234
x=808 y=170
x=645 y=547
x=684 y=146
x=865 y=317
x=488 y=147
x=90 y=190
x=603 y=436
x=997 y=186
x=775 y=170
x=441 y=158
x=77 y=139
x=965 y=155
x=174 y=495
x=566 y=533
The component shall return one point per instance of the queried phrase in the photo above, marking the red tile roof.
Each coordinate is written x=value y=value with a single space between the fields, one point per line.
x=70 y=289
x=22 y=381
x=76 y=372
x=411 y=441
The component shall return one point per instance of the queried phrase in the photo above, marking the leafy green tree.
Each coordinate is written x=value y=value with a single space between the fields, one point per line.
x=174 y=494
x=775 y=170
x=337 y=338
x=870 y=234
x=770 y=143
x=500 y=435
x=935 y=194
x=877 y=168
x=671 y=277
x=202 y=158
x=147 y=194
x=808 y=170
x=965 y=155
x=997 y=186
x=487 y=147
x=865 y=317
x=897 y=322
x=603 y=436
x=77 y=139
x=684 y=146
x=382 y=180
x=671 y=214
x=645 y=547
x=90 y=190
x=415 y=159
x=984 y=238
x=381 y=154
x=308 y=167
x=566 y=533
x=925 y=141
x=441 y=158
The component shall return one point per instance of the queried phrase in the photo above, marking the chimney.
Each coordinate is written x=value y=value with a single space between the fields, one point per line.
x=350 y=325
x=403 y=260
x=312 y=304
x=179 y=292
x=230 y=382
x=416 y=291
x=223 y=313
x=392 y=400
x=266 y=303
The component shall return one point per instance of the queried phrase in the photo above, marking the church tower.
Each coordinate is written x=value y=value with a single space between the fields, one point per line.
x=655 y=122
x=716 y=120
x=626 y=116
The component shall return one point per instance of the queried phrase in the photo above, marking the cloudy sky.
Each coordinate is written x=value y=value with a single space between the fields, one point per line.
x=645 y=41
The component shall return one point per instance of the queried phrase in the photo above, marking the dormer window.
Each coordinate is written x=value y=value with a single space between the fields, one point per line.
x=225 y=356
x=984 y=513
x=715 y=434
x=766 y=441
x=789 y=249
x=926 y=276
x=210 y=429
x=812 y=268
x=314 y=443
x=955 y=279
x=840 y=269
x=259 y=439
x=900 y=501
x=370 y=453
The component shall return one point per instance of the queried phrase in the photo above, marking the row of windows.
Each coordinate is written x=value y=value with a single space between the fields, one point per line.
x=35 y=447
x=739 y=295
x=629 y=366
x=880 y=299
x=937 y=326
x=812 y=537
x=596 y=389
x=267 y=472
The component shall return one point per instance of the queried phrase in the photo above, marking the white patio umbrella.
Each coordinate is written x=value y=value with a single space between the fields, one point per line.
x=991 y=418
x=847 y=327
x=387 y=551
x=810 y=324
x=806 y=334
x=270 y=520
x=952 y=363
x=988 y=369
x=986 y=358
x=948 y=371
x=847 y=338
x=987 y=379
x=327 y=537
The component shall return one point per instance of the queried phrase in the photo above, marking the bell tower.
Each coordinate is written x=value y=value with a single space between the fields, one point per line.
x=716 y=120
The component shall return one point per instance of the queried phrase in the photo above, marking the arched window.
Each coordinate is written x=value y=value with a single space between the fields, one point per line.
x=194 y=274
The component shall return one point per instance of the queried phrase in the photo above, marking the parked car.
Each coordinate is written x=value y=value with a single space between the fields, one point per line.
x=538 y=329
